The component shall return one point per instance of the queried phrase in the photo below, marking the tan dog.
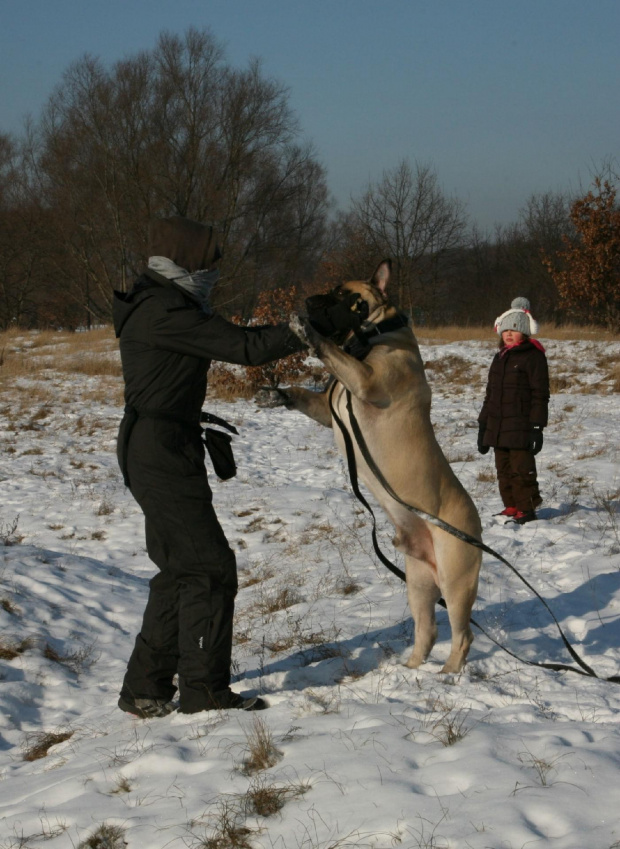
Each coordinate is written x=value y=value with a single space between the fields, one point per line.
x=392 y=403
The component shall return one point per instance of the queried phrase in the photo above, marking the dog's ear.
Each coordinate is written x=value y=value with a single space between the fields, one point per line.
x=381 y=277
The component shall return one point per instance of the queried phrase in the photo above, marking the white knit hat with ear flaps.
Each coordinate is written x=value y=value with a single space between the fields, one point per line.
x=517 y=318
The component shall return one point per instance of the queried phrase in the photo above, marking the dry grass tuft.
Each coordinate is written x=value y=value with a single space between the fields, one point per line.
x=123 y=785
x=9 y=606
x=77 y=661
x=262 y=753
x=281 y=599
x=38 y=744
x=452 y=723
x=227 y=829
x=347 y=586
x=10 y=649
x=265 y=799
x=105 y=837
x=8 y=532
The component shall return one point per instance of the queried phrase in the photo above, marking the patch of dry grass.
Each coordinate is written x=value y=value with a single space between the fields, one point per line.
x=445 y=335
x=261 y=750
x=32 y=353
x=280 y=598
x=38 y=744
x=614 y=376
x=10 y=649
x=105 y=836
x=559 y=383
x=77 y=661
x=226 y=828
x=9 y=534
x=264 y=798
x=9 y=606
x=93 y=365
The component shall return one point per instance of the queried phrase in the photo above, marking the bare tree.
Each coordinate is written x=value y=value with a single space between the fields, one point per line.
x=174 y=131
x=22 y=237
x=407 y=216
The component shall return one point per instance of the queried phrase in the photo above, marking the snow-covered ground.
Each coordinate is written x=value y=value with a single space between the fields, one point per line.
x=363 y=751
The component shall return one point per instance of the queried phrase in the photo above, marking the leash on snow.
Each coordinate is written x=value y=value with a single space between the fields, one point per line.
x=435 y=520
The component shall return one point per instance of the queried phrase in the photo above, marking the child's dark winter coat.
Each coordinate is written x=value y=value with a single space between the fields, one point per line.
x=517 y=396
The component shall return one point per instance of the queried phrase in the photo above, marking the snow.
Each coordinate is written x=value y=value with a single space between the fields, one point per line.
x=366 y=752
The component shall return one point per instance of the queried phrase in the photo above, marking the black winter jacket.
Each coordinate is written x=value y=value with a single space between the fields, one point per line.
x=167 y=343
x=517 y=396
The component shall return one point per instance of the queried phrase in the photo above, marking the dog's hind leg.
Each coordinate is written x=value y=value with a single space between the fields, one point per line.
x=422 y=594
x=459 y=586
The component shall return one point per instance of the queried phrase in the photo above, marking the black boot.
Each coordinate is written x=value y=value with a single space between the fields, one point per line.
x=220 y=700
x=146 y=707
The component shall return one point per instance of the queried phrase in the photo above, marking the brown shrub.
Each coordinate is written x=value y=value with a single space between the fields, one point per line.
x=228 y=385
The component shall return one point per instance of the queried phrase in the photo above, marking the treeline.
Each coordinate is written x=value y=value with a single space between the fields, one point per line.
x=178 y=131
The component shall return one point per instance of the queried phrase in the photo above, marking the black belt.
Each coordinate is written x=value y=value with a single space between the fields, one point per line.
x=132 y=414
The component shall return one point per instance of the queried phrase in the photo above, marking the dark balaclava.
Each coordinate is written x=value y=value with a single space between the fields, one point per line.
x=189 y=244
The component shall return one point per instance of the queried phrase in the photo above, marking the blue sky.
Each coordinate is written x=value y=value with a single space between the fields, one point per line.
x=503 y=98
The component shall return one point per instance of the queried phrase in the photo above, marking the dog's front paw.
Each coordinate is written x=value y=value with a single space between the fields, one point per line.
x=302 y=328
x=269 y=397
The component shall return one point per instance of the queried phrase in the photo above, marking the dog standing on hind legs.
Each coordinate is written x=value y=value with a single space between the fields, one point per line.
x=391 y=400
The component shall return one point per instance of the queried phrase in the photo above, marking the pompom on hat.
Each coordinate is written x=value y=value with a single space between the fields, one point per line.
x=517 y=318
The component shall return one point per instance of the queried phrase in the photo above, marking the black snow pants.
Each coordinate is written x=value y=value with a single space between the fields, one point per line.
x=187 y=624
x=517 y=478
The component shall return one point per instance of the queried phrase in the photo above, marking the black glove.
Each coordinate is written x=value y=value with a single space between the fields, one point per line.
x=536 y=439
x=335 y=317
x=482 y=448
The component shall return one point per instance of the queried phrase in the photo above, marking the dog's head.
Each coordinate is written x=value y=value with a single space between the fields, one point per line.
x=341 y=311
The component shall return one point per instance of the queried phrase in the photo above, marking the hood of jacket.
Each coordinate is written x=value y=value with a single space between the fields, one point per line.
x=125 y=303
x=189 y=244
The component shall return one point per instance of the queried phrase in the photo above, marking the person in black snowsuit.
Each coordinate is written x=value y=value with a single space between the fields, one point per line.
x=168 y=338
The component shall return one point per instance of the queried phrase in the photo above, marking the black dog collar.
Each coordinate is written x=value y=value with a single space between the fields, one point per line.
x=358 y=346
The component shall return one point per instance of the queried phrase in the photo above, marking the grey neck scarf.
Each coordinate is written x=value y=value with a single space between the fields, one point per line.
x=199 y=284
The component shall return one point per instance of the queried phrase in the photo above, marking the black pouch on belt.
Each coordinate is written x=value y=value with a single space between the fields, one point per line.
x=219 y=446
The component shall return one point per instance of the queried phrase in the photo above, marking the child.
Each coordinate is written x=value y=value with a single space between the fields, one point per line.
x=514 y=412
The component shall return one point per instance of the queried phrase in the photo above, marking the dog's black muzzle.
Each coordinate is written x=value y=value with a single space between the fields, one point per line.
x=335 y=314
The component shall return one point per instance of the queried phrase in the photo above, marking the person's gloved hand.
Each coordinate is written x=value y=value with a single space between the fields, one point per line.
x=482 y=448
x=303 y=329
x=536 y=438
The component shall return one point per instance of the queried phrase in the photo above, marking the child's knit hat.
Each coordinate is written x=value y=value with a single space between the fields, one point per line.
x=517 y=318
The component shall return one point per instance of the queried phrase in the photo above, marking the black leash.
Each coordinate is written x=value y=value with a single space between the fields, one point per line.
x=435 y=520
